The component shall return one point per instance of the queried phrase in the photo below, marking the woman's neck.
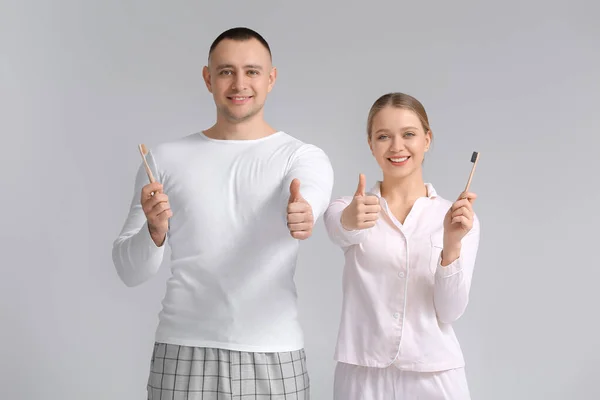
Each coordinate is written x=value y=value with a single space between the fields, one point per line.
x=404 y=190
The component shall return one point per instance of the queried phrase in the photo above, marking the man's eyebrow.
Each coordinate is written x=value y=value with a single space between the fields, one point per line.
x=248 y=66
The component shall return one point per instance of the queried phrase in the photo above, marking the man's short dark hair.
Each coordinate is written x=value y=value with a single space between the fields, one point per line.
x=239 y=34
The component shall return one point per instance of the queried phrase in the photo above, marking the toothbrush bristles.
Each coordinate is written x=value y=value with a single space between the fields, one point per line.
x=474 y=156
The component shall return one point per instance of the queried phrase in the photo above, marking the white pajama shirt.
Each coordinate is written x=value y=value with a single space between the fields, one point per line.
x=232 y=256
x=399 y=303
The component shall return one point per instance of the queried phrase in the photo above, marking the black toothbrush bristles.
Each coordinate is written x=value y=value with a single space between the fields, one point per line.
x=474 y=156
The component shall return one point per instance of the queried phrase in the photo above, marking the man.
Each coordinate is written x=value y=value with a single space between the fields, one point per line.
x=231 y=202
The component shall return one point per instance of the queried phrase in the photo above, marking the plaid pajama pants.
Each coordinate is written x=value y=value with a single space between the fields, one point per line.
x=197 y=373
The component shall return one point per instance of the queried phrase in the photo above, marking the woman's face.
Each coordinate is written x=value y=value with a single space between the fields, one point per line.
x=398 y=142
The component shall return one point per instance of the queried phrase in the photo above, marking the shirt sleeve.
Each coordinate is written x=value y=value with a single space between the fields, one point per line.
x=339 y=235
x=453 y=282
x=135 y=255
x=311 y=166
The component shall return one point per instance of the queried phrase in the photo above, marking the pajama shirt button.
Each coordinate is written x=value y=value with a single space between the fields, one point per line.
x=396 y=315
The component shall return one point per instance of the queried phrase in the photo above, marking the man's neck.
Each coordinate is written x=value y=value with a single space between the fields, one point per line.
x=253 y=129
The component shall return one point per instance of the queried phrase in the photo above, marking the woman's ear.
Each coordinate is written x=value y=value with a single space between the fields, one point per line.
x=428 y=139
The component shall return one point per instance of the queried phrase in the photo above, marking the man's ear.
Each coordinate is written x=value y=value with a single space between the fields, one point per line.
x=206 y=77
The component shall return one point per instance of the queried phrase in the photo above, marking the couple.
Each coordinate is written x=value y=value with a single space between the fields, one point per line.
x=233 y=201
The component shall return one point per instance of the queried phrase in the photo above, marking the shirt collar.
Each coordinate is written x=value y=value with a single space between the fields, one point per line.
x=376 y=190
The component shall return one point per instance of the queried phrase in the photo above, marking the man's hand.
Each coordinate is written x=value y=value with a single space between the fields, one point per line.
x=300 y=220
x=156 y=206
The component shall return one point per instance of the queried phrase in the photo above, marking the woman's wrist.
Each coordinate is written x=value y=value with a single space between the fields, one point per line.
x=450 y=253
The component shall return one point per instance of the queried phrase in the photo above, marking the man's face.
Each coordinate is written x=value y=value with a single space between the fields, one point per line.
x=239 y=75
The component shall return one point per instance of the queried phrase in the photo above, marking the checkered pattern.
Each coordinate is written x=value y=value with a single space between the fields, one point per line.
x=197 y=373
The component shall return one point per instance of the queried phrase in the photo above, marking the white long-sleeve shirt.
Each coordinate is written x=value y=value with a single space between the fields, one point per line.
x=399 y=303
x=232 y=256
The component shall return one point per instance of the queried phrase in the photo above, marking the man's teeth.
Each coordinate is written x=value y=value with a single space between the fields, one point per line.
x=239 y=98
x=399 y=159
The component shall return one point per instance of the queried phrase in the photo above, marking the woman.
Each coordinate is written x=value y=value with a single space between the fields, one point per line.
x=409 y=258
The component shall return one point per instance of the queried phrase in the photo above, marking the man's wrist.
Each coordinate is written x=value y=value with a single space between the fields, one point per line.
x=157 y=238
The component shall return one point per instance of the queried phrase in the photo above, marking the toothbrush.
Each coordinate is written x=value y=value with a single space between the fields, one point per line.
x=474 y=159
x=144 y=151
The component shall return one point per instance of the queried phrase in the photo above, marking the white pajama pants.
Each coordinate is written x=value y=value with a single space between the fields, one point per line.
x=353 y=382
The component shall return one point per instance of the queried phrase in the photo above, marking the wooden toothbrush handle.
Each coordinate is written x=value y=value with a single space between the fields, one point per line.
x=146 y=166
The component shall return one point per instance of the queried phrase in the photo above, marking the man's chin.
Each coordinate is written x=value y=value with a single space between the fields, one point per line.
x=239 y=117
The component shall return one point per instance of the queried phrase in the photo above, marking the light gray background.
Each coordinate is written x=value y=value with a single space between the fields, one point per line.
x=82 y=82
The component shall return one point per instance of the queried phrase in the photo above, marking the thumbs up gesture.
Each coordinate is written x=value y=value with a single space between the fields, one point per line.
x=363 y=211
x=300 y=219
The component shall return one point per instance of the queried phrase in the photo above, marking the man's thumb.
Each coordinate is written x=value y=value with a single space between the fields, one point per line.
x=295 y=190
x=360 y=190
